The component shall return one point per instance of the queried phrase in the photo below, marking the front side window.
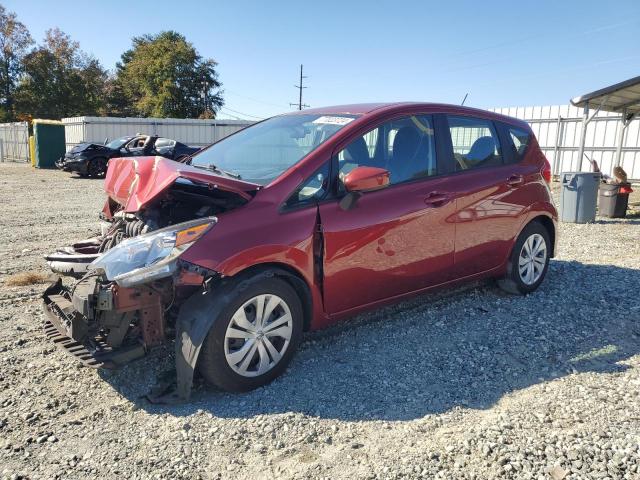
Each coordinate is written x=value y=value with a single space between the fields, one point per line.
x=262 y=152
x=405 y=147
x=475 y=143
x=137 y=142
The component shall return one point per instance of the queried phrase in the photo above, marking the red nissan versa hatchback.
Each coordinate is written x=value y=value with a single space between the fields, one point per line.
x=295 y=223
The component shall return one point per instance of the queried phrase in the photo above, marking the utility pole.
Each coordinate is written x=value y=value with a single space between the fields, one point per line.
x=300 y=87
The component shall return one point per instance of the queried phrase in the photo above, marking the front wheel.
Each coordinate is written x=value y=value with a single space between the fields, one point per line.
x=529 y=261
x=255 y=336
x=97 y=167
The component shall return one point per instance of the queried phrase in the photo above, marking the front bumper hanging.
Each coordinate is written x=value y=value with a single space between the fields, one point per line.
x=71 y=319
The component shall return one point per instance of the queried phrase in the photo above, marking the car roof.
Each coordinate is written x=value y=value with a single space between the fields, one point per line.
x=392 y=107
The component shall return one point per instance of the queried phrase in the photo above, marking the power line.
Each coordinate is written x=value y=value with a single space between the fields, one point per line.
x=241 y=113
x=300 y=87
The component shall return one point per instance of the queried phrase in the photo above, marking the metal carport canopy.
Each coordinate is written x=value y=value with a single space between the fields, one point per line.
x=623 y=98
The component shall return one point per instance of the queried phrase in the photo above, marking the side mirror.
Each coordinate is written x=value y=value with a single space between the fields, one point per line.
x=366 y=179
x=360 y=180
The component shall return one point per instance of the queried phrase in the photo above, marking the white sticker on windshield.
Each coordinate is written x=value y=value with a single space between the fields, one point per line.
x=327 y=120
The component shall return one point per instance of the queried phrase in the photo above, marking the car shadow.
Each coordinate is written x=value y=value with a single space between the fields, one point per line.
x=468 y=348
x=79 y=177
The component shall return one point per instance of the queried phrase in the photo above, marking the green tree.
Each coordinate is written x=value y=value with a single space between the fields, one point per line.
x=60 y=80
x=164 y=76
x=14 y=42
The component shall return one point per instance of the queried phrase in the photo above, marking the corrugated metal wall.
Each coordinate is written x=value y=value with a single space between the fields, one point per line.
x=557 y=128
x=195 y=133
x=14 y=142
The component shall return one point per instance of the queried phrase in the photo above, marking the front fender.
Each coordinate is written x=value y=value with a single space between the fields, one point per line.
x=196 y=317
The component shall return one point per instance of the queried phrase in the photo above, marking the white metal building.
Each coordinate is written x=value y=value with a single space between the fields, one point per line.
x=558 y=129
x=14 y=142
x=196 y=133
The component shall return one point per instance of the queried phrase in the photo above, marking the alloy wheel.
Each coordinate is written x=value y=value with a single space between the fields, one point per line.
x=532 y=259
x=258 y=335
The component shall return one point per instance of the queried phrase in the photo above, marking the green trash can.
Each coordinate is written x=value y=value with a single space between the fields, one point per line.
x=49 y=142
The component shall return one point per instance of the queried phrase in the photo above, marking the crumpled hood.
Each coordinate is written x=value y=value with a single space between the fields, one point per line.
x=85 y=146
x=136 y=182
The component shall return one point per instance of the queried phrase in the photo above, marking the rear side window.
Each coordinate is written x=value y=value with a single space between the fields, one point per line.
x=475 y=143
x=520 y=139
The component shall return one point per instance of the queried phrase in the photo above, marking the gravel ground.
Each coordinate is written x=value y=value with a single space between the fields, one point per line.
x=464 y=384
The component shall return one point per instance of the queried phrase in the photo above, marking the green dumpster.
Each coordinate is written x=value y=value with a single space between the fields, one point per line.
x=49 y=142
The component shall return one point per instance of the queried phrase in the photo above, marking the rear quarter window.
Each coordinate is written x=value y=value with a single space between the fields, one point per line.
x=520 y=140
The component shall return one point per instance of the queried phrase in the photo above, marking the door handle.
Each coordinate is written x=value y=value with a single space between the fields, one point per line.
x=436 y=199
x=515 y=180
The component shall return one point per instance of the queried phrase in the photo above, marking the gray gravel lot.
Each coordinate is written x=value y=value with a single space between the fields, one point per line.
x=463 y=384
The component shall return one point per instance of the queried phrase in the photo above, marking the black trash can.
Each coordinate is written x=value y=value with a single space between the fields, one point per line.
x=613 y=200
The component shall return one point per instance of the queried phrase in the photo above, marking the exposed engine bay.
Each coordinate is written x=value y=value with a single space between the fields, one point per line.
x=184 y=200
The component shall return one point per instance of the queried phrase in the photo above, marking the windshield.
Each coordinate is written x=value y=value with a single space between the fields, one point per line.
x=118 y=142
x=261 y=152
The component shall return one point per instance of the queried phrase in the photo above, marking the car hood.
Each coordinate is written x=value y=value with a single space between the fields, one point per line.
x=88 y=146
x=134 y=183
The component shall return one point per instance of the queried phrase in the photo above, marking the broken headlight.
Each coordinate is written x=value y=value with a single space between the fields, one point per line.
x=150 y=256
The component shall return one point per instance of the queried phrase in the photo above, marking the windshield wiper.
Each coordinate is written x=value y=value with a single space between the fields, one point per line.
x=212 y=168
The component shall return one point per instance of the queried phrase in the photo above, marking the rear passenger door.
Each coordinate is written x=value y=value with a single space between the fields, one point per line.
x=488 y=207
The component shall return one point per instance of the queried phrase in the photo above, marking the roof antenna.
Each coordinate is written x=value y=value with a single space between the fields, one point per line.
x=465 y=98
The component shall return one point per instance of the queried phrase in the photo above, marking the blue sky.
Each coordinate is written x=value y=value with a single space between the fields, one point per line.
x=503 y=53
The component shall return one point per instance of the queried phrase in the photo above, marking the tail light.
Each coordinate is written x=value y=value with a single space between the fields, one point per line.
x=546 y=171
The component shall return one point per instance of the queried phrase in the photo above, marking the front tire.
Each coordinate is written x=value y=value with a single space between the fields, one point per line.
x=529 y=261
x=255 y=336
x=97 y=167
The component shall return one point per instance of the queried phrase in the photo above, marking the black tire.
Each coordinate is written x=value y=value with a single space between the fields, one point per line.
x=512 y=282
x=97 y=167
x=212 y=362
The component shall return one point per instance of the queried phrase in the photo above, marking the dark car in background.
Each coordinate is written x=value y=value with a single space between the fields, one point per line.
x=90 y=159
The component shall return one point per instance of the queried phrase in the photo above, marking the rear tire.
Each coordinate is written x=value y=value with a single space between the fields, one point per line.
x=245 y=350
x=529 y=261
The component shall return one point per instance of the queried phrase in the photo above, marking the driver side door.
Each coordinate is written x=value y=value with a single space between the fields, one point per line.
x=133 y=148
x=395 y=240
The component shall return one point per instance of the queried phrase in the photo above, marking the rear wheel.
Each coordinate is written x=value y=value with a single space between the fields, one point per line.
x=255 y=337
x=97 y=167
x=529 y=261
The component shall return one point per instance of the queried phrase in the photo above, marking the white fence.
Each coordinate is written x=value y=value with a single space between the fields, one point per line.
x=14 y=142
x=557 y=128
x=196 y=133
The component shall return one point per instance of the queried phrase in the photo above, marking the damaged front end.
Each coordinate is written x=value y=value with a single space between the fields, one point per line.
x=102 y=324
x=132 y=281
x=147 y=194
x=127 y=303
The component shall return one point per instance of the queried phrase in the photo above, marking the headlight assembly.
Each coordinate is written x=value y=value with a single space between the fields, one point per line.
x=151 y=256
